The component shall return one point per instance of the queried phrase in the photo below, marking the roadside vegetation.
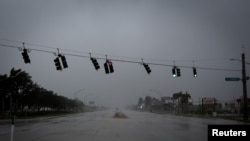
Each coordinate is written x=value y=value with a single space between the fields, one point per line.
x=180 y=104
x=20 y=96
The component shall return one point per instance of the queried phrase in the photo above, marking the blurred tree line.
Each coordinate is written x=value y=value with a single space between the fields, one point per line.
x=20 y=94
x=181 y=99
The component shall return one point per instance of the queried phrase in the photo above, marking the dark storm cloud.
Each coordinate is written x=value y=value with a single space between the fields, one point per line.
x=161 y=31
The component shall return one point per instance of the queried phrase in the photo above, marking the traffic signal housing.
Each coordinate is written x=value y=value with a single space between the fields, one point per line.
x=64 y=62
x=238 y=100
x=194 y=72
x=26 y=56
x=95 y=63
x=58 y=64
x=111 y=68
x=174 y=71
x=178 y=71
x=147 y=68
x=106 y=67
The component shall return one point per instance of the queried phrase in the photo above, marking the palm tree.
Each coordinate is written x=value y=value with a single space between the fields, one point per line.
x=18 y=81
x=3 y=79
x=183 y=97
x=20 y=78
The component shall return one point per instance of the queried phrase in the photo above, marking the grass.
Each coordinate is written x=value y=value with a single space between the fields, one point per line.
x=25 y=115
x=235 y=118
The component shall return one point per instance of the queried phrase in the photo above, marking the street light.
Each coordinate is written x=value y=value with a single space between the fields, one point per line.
x=77 y=92
x=232 y=59
x=84 y=98
x=156 y=92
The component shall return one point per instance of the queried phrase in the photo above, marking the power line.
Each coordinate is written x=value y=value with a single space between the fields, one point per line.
x=9 y=46
x=67 y=50
x=115 y=56
x=113 y=59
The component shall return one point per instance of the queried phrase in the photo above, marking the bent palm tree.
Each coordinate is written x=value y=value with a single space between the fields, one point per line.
x=18 y=82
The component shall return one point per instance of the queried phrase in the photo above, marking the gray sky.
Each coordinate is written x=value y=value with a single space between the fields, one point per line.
x=210 y=32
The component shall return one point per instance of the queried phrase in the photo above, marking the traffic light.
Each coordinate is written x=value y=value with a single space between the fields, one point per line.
x=58 y=64
x=26 y=56
x=194 y=72
x=64 y=62
x=178 y=71
x=95 y=63
x=238 y=100
x=111 y=68
x=106 y=67
x=147 y=68
x=174 y=72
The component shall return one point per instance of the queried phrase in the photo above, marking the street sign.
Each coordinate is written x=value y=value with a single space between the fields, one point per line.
x=208 y=101
x=232 y=79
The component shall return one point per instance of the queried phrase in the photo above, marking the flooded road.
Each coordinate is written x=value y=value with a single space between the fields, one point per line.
x=101 y=125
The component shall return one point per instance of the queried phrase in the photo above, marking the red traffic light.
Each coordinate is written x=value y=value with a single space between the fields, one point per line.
x=238 y=100
x=110 y=64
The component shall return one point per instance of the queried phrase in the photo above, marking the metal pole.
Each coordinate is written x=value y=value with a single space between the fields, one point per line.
x=13 y=113
x=13 y=104
x=244 y=82
x=12 y=127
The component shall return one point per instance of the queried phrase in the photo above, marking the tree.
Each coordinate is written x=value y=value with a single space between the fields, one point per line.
x=3 y=92
x=19 y=80
x=18 y=91
x=182 y=97
x=140 y=101
x=182 y=100
x=148 y=101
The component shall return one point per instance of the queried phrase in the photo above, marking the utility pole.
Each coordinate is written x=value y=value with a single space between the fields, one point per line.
x=244 y=82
